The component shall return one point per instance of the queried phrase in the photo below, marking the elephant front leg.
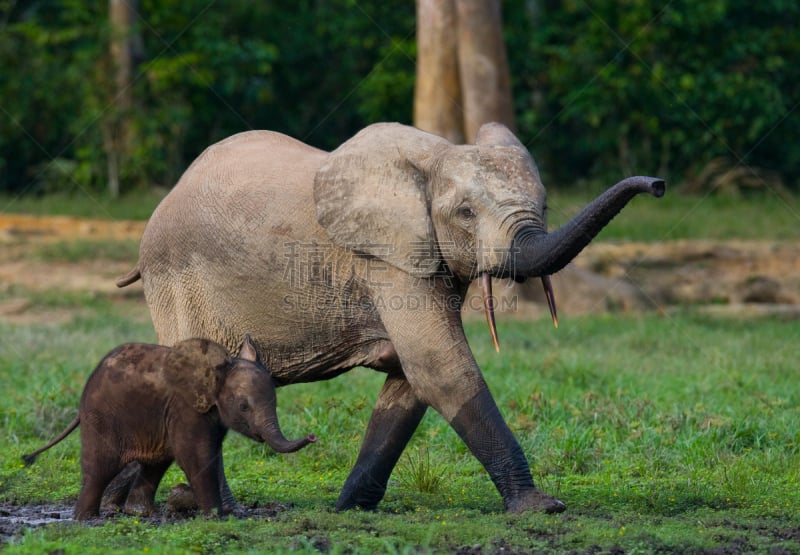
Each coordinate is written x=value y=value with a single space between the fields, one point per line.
x=396 y=415
x=203 y=475
x=229 y=504
x=481 y=426
x=442 y=372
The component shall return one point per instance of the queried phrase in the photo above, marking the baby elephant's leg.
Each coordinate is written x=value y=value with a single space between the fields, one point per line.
x=97 y=473
x=141 y=500
x=118 y=490
x=202 y=470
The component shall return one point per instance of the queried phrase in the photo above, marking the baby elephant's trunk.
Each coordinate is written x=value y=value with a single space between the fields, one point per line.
x=275 y=439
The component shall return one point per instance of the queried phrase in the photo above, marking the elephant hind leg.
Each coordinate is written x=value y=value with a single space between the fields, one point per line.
x=182 y=308
x=394 y=419
x=141 y=500
x=168 y=309
x=116 y=493
x=96 y=476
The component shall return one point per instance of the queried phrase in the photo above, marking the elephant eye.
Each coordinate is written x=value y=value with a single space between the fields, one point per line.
x=243 y=406
x=465 y=212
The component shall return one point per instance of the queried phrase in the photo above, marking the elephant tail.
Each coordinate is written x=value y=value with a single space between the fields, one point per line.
x=30 y=458
x=130 y=277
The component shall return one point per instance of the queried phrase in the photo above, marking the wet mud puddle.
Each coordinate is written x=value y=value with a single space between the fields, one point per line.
x=15 y=518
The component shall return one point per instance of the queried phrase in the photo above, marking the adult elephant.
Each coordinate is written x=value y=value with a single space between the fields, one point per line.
x=362 y=257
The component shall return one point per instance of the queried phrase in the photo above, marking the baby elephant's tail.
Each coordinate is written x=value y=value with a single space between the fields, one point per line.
x=130 y=277
x=31 y=457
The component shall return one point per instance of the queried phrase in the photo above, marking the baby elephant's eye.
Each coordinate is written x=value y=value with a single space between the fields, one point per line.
x=243 y=406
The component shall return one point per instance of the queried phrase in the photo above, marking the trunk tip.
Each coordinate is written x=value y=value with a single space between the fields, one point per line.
x=659 y=187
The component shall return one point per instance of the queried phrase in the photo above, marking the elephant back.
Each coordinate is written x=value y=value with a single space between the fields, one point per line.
x=235 y=193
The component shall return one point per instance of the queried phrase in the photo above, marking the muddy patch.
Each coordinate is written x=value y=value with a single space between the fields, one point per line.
x=16 y=519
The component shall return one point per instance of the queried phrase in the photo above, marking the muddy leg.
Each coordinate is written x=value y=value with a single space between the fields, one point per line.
x=120 y=487
x=141 y=500
x=96 y=475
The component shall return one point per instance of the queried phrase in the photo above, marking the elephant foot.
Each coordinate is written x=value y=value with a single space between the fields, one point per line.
x=231 y=507
x=181 y=500
x=347 y=503
x=135 y=506
x=139 y=503
x=360 y=492
x=535 y=500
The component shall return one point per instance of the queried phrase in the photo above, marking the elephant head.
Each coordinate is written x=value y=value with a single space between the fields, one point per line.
x=205 y=375
x=427 y=206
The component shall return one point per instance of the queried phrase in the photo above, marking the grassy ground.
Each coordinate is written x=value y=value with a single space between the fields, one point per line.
x=662 y=434
x=137 y=205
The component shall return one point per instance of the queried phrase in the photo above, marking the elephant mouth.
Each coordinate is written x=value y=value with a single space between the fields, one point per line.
x=489 y=304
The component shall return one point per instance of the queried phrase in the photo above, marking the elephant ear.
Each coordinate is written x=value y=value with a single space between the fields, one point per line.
x=372 y=196
x=196 y=369
x=497 y=134
x=248 y=350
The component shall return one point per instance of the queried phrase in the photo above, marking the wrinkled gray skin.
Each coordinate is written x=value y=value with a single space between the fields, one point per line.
x=362 y=257
x=151 y=405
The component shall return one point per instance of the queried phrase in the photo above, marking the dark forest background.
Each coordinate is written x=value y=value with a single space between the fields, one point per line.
x=687 y=90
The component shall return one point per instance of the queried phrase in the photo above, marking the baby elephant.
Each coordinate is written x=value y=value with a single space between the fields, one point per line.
x=155 y=404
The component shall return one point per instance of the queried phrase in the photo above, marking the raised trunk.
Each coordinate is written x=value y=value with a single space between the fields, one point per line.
x=535 y=253
x=273 y=437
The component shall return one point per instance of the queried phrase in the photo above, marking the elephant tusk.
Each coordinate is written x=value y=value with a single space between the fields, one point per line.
x=488 y=306
x=551 y=298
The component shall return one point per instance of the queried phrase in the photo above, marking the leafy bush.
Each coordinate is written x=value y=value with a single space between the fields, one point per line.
x=600 y=90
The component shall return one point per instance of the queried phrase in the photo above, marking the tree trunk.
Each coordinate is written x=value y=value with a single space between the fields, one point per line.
x=123 y=50
x=483 y=66
x=437 y=92
x=463 y=78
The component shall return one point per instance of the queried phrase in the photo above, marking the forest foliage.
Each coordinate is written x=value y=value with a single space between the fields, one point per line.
x=601 y=88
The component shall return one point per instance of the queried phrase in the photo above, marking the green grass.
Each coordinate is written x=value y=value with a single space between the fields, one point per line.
x=666 y=434
x=677 y=215
x=136 y=205
x=86 y=249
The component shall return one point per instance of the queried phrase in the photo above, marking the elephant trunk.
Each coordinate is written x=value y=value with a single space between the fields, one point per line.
x=535 y=253
x=271 y=434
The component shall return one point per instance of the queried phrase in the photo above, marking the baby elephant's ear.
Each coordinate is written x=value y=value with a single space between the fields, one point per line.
x=248 y=350
x=195 y=369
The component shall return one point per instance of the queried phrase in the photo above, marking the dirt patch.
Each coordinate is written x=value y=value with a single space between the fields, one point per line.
x=15 y=519
x=16 y=226
x=725 y=278
x=23 y=276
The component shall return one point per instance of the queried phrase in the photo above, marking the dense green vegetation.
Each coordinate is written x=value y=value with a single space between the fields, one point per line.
x=663 y=434
x=600 y=89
